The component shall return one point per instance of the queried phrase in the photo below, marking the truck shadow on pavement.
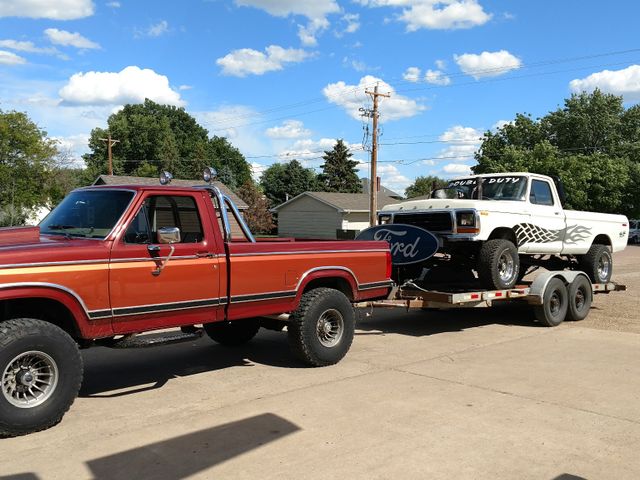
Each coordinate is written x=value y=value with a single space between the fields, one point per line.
x=186 y=455
x=423 y=323
x=113 y=373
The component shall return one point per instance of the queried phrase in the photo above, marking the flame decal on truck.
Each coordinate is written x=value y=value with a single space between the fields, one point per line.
x=530 y=233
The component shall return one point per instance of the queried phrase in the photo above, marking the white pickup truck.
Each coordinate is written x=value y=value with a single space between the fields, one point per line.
x=501 y=225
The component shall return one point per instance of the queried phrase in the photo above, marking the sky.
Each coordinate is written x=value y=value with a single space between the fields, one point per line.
x=283 y=79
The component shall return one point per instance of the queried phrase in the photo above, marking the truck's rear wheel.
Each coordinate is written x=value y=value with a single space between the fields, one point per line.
x=232 y=333
x=580 y=297
x=555 y=304
x=498 y=264
x=321 y=329
x=41 y=372
x=597 y=263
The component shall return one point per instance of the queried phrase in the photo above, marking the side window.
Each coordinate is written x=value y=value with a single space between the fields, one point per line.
x=541 y=193
x=166 y=211
x=237 y=235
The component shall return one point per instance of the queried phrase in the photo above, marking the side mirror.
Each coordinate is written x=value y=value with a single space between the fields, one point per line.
x=169 y=235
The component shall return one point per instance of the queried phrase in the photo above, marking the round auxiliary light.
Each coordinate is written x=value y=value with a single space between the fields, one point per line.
x=209 y=174
x=165 y=178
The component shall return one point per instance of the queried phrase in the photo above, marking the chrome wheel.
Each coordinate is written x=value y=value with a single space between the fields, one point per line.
x=29 y=379
x=506 y=267
x=604 y=265
x=330 y=327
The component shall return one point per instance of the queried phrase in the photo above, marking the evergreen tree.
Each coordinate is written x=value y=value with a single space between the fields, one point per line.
x=339 y=172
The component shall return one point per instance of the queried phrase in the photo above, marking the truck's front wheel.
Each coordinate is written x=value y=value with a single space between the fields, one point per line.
x=321 y=329
x=498 y=264
x=41 y=370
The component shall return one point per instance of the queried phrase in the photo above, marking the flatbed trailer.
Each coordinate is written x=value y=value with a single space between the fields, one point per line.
x=553 y=295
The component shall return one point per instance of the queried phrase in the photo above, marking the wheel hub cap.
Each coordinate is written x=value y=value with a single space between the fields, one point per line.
x=29 y=379
x=330 y=327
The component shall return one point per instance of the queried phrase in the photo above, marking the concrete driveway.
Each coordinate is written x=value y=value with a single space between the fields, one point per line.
x=473 y=394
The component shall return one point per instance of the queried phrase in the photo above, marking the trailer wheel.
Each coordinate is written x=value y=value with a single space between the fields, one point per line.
x=232 y=333
x=321 y=330
x=41 y=372
x=580 y=297
x=597 y=263
x=555 y=304
x=498 y=264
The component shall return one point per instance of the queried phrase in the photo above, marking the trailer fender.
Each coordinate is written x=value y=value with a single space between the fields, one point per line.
x=540 y=283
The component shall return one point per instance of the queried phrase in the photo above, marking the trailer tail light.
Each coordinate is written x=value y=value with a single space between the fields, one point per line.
x=388 y=254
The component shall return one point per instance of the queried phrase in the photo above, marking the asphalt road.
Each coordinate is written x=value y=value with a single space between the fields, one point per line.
x=466 y=394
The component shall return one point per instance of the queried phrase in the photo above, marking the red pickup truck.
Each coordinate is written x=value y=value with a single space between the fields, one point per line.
x=111 y=263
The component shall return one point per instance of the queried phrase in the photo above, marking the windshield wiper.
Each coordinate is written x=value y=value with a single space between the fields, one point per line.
x=66 y=227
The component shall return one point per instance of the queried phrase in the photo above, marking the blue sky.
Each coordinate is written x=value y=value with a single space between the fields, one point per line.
x=283 y=79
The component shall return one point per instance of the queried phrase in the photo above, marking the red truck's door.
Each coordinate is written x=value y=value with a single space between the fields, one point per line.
x=187 y=290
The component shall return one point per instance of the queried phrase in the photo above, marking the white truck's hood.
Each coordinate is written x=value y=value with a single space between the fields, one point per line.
x=450 y=204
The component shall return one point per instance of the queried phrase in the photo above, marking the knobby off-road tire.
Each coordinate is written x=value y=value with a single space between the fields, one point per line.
x=498 y=264
x=321 y=330
x=233 y=333
x=40 y=375
x=555 y=304
x=597 y=263
x=580 y=298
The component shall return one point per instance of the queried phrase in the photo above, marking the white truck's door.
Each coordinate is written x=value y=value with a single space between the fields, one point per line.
x=547 y=228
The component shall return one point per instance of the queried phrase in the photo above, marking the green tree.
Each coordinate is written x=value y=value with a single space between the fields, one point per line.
x=153 y=137
x=339 y=172
x=258 y=216
x=591 y=144
x=26 y=159
x=423 y=185
x=286 y=180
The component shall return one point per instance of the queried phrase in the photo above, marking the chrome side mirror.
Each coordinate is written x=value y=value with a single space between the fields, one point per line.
x=169 y=235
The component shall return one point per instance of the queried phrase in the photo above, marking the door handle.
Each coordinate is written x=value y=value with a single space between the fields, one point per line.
x=204 y=255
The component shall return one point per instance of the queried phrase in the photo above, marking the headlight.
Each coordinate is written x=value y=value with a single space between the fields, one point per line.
x=466 y=219
x=384 y=219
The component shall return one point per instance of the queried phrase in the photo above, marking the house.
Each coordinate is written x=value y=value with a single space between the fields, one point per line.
x=126 y=180
x=384 y=191
x=325 y=215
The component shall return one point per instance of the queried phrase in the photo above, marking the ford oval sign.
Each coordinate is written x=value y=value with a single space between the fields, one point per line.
x=409 y=244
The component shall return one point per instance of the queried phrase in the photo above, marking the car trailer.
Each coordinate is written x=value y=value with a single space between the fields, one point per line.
x=554 y=295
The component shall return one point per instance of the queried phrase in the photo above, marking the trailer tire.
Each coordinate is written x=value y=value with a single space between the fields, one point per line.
x=40 y=375
x=498 y=264
x=597 y=263
x=555 y=304
x=232 y=333
x=321 y=330
x=580 y=298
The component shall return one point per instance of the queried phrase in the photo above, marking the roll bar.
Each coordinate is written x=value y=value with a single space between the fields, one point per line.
x=223 y=201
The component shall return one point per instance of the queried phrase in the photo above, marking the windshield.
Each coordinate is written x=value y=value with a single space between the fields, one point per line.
x=87 y=213
x=493 y=188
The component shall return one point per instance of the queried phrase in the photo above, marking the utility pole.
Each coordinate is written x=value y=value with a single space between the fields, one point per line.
x=110 y=143
x=373 y=181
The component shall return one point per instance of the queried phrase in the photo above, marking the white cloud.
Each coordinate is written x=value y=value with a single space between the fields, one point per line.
x=316 y=11
x=353 y=97
x=73 y=147
x=457 y=169
x=500 y=124
x=113 y=4
x=441 y=64
x=436 y=77
x=288 y=129
x=230 y=121
x=412 y=74
x=246 y=61
x=130 y=85
x=69 y=39
x=308 y=149
x=154 y=30
x=58 y=10
x=487 y=64
x=435 y=14
x=463 y=143
x=24 y=46
x=257 y=169
x=392 y=178
x=625 y=82
x=185 y=87
x=8 y=58
x=357 y=65
x=352 y=21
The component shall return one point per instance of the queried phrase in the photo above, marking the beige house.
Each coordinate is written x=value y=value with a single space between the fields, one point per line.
x=324 y=215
